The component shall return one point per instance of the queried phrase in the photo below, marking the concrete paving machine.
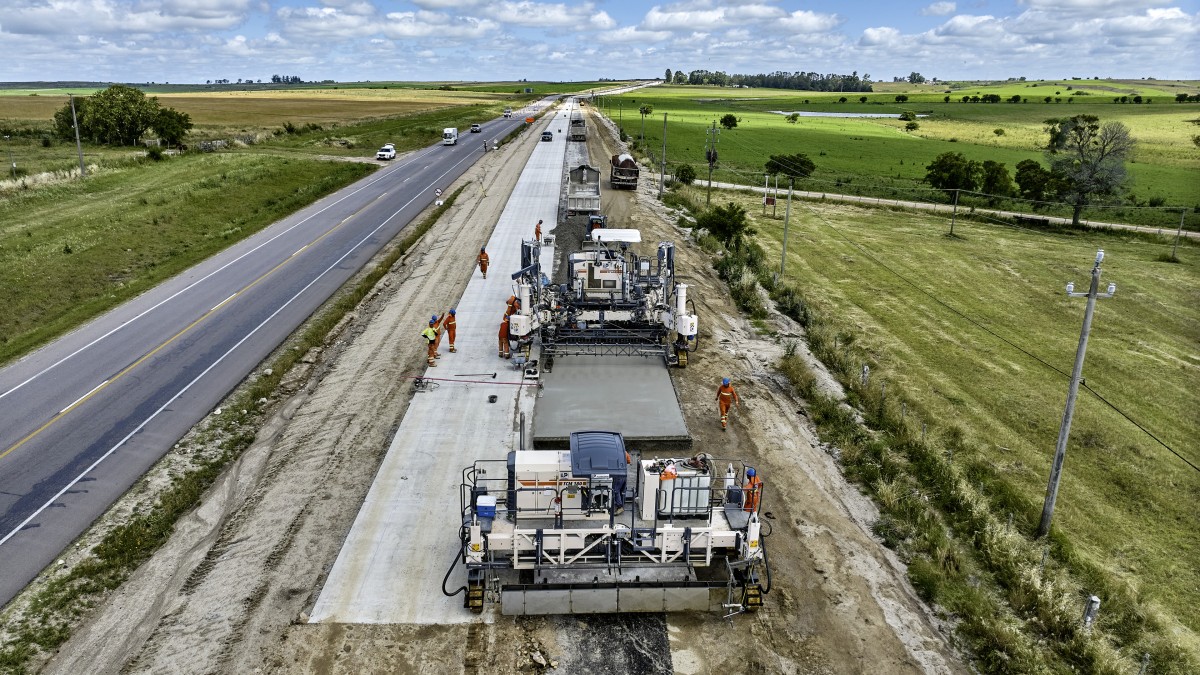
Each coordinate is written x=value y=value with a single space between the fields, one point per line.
x=588 y=531
x=614 y=303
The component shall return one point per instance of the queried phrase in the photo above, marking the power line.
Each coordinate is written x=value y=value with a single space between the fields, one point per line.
x=989 y=331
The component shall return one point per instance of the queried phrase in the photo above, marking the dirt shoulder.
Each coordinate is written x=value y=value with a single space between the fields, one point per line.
x=229 y=592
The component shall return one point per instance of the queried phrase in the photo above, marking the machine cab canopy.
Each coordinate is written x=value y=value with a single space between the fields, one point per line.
x=597 y=453
x=628 y=236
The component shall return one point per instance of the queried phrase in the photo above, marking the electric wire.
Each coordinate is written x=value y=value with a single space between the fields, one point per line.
x=820 y=217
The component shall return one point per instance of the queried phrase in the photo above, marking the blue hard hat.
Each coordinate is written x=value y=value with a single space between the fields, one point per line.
x=433 y=318
x=725 y=381
x=452 y=312
x=750 y=472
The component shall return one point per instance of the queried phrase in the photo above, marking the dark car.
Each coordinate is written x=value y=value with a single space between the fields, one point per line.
x=547 y=136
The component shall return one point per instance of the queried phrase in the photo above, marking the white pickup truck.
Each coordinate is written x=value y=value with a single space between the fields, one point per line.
x=388 y=151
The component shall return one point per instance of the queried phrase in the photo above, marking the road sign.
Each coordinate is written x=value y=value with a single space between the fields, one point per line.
x=438 y=192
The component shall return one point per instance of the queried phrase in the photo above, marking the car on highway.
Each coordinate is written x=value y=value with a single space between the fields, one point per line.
x=387 y=152
x=475 y=128
x=547 y=136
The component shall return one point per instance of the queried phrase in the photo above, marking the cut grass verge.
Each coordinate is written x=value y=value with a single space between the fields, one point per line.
x=61 y=603
x=71 y=251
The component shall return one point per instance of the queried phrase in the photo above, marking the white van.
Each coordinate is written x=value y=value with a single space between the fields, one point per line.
x=450 y=136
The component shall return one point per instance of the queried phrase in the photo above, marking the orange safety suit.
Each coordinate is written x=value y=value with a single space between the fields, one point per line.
x=512 y=305
x=726 y=397
x=451 y=327
x=482 y=260
x=503 y=351
x=537 y=231
x=752 y=491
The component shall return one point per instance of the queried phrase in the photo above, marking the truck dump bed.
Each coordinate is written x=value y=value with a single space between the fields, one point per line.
x=583 y=191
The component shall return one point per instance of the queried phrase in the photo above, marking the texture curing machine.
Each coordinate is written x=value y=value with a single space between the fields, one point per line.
x=584 y=531
x=615 y=302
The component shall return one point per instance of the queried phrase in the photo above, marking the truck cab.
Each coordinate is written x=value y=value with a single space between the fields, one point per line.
x=450 y=136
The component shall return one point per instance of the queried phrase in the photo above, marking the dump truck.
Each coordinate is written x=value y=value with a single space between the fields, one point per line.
x=623 y=172
x=578 y=130
x=583 y=191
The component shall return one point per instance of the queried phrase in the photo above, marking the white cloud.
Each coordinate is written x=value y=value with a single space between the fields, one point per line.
x=633 y=34
x=809 y=22
x=939 y=9
x=884 y=35
x=104 y=17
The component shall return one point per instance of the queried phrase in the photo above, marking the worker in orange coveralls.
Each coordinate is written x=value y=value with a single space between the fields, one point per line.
x=482 y=260
x=726 y=397
x=537 y=231
x=503 y=351
x=430 y=334
x=450 y=326
x=512 y=306
x=752 y=490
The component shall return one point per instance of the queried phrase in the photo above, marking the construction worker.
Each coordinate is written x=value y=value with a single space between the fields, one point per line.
x=726 y=397
x=512 y=305
x=450 y=325
x=482 y=261
x=537 y=231
x=503 y=347
x=751 y=490
x=431 y=336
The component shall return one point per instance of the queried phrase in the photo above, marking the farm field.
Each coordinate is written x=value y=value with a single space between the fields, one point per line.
x=75 y=249
x=937 y=313
x=341 y=122
x=877 y=157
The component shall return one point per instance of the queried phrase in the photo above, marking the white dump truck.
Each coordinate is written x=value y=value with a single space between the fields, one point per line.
x=450 y=136
x=583 y=191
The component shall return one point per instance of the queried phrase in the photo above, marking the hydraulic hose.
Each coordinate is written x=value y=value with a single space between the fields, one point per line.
x=461 y=589
x=766 y=566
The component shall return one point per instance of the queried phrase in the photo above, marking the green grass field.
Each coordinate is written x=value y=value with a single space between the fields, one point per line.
x=919 y=302
x=75 y=249
x=877 y=157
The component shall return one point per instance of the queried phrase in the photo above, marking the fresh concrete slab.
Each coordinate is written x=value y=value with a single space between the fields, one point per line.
x=391 y=566
x=629 y=394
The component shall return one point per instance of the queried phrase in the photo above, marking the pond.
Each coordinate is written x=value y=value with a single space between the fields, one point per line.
x=838 y=114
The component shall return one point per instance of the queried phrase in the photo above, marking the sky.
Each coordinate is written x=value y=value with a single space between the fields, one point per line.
x=192 y=41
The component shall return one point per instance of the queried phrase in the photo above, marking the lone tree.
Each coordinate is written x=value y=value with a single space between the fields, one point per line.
x=953 y=171
x=792 y=166
x=862 y=99
x=793 y=118
x=667 y=76
x=1088 y=159
x=729 y=121
x=118 y=115
x=684 y=173
x=645 y=110
x=901 y=98
x=727 y=223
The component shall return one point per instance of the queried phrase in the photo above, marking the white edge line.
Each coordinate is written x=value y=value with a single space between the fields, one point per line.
x=374 y=179
x=214 y=364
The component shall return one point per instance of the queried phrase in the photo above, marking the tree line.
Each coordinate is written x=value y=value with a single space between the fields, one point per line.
x=803 y=81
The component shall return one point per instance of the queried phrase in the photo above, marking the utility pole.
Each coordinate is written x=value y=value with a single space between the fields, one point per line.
x=1060 y=450
x=954 y=213
x=710 y=153
x=1175 y=247
x=766 y=186
x=787 y=218
x=662 y=174
x=78 y=145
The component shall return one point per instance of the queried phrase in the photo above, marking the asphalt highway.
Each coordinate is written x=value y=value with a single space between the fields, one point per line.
x=82 y=419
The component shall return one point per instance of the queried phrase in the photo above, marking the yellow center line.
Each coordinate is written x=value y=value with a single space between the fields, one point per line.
x=107 y=383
